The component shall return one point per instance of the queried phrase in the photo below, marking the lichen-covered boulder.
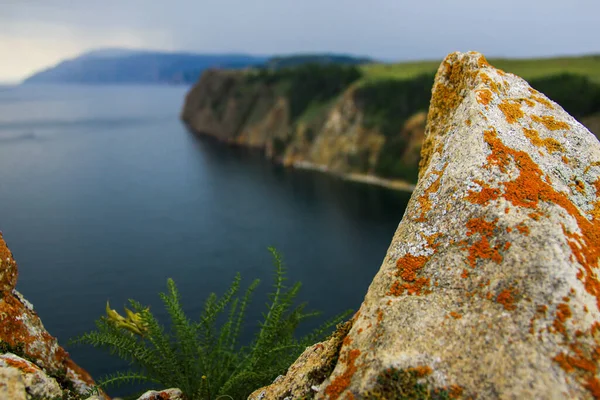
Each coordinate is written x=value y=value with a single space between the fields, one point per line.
x=305 y=376
x=490 y=286
x=22 y=332
x=29 y=381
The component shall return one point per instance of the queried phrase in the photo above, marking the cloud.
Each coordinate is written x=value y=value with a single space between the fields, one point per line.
x=35 y=46
x=36 y=33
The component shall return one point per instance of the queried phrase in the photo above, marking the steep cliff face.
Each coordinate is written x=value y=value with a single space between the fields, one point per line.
x=330 y=135
x=489 y=288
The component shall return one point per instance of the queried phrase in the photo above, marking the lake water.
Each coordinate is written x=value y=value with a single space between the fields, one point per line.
x=104 y=195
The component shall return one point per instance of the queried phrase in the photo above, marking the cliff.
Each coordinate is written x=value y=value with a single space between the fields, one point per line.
x=489 y=288
x=362 y=123
x=318 y=118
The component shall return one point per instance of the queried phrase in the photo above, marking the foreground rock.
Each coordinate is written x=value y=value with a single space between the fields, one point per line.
x=31 y=361
x=489 y=288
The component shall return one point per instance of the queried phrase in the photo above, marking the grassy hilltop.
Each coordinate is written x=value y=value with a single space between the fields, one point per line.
x=532 y=68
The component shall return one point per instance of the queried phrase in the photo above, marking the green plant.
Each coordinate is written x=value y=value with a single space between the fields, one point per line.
x=204 y=359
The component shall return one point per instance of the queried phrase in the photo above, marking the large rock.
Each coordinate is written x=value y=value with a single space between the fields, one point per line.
x=22 y=333
x=25 y=379
x=489 y=288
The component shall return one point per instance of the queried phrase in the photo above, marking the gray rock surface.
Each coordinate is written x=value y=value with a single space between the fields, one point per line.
x=23 y=379
x=489 y=288
x=11 y=384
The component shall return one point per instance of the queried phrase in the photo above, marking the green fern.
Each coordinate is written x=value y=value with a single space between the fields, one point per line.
x=202 y=358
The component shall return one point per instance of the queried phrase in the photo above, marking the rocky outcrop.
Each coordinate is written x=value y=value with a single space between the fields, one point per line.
x=31 y=361
x=490 y=287
x=331 y=137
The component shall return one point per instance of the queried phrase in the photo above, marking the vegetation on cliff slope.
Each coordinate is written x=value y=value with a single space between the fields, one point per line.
x=309 y=83
x=204 y=358
x=531 y=68
x=385 y=97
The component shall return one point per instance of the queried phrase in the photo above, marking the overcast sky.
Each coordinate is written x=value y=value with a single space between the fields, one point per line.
x=38 y=33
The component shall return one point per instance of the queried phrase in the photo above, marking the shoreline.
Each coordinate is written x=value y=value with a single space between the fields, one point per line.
x=356 y=177
x=392 y=184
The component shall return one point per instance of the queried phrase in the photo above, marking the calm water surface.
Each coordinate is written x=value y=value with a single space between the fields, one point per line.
x=104 y=195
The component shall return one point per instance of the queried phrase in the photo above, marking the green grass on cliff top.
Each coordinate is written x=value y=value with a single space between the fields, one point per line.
x=526 y=68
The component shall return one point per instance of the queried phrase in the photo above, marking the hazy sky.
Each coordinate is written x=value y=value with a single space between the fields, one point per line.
x=38 y=33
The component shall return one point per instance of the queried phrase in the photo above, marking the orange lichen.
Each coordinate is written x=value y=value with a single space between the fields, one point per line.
x=424 y=201
x=465 y=274
x=540 y=99
x=524 y=229
x=482 y=248
x=565 y=160
x=408 y=266
x=455 y=392
x=484 y=96
x=20 y=364
x=528 y=102
x=8 y=268
x=468 y=122
x=506 y=298
x=455 y=315
x=551 y=144
x=421 y=371
x=482 y=62
x=431 y=240
x=528 y=189
x=489 y=82
x=347 y=340
x=512 y=111
x=550 y=123
x=593 y=385
x=341 y=382
x=453 y=76
x=535 y=215
x=569 y=363
x=594 y=164
x=579 y=185
x=563 y=312
x=485 y=195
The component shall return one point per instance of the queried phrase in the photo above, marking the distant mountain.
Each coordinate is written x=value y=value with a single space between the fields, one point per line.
x=116 y=66
x=120 y=66
x=299 y=59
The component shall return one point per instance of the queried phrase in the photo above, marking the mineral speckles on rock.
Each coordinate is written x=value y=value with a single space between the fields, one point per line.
x=8 y=268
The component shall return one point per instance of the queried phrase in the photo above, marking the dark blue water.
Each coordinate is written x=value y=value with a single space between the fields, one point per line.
x=104 y=194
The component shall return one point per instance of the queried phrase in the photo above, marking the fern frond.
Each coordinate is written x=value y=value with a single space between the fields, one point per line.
x=119 y=378
x=186 y=350
x=202 y=358
x=242 y=313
